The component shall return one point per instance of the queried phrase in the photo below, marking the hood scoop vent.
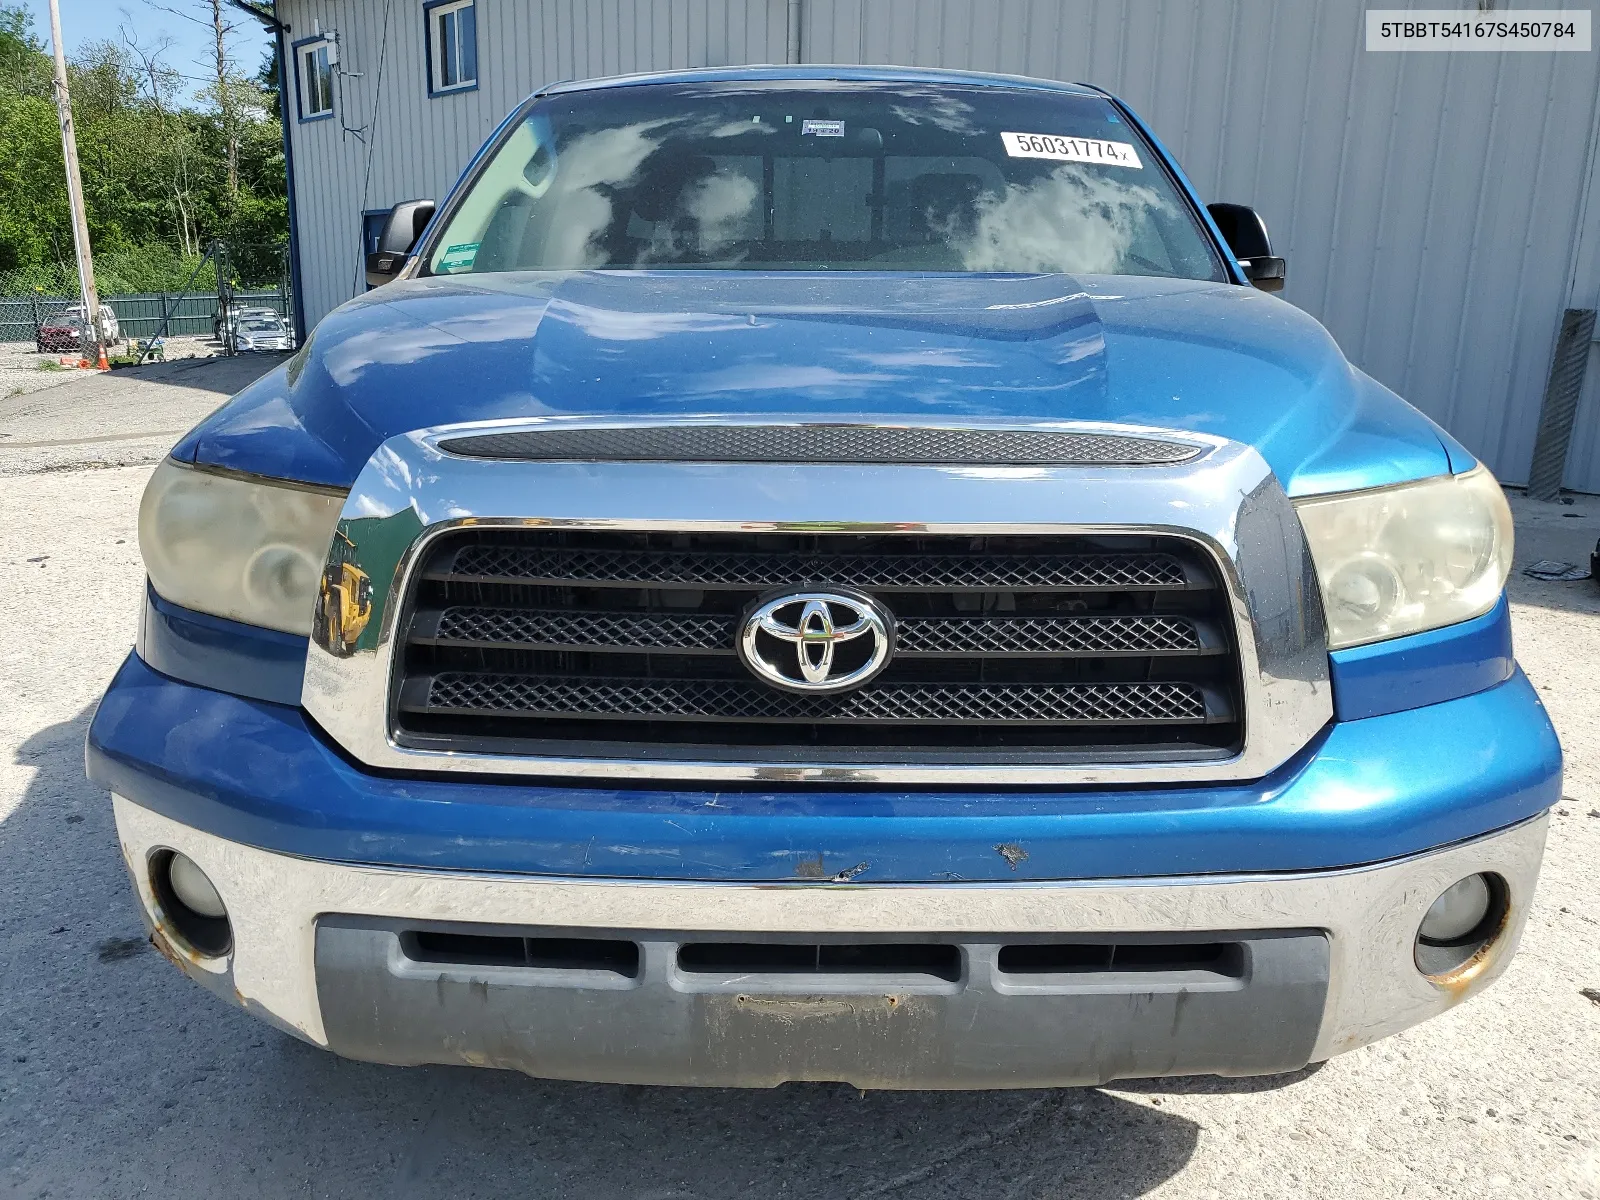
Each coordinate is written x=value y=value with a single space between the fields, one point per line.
x=832 y=443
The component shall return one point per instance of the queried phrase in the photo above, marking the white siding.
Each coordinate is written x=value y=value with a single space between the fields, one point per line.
x=400 y=144
x=1430 y=205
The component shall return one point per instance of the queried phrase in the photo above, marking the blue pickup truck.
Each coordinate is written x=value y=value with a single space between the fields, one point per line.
x=827 y=574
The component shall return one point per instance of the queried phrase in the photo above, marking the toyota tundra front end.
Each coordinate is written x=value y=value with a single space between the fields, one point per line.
x=827 y=574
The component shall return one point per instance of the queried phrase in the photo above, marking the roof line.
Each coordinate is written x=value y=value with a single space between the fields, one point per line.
x=842 y=72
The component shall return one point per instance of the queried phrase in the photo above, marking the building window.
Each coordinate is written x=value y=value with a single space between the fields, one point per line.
x=315 y=74
x=452 y=35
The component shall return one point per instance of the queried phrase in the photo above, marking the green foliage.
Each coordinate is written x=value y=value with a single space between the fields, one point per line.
x=155 y=170
x=133 y=271
x=22 y=57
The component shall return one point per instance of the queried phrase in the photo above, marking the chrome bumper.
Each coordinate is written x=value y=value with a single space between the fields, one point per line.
x=279 y=908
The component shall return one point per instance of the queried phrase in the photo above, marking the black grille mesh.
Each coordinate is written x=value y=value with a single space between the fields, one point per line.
x=596 y=643
x=889 y=703
x=1082 y=635
x=933 y=635
x=921 y=571
x=823 y=444
x=661 y=631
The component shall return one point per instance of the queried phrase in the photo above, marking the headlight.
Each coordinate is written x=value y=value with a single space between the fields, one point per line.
x=238 y=548
x=1399 y=560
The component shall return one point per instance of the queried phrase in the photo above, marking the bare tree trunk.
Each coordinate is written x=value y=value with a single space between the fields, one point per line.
x=185 y=226
x=225 y=98
x=150 y=62
x=182 y=198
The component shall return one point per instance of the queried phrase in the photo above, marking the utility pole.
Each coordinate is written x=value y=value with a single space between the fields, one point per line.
x=93 y=350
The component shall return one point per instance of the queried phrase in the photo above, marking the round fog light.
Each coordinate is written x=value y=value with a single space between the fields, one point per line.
x=1458 y=911
x=1460 y=925
x=189 y=912
x=190 y=885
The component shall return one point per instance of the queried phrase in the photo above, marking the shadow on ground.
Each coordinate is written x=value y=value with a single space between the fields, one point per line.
x=122 y=1077
x=221 y=374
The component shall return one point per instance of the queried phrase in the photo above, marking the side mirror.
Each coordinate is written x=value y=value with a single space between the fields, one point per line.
x=1246 y=234
x=406 y=222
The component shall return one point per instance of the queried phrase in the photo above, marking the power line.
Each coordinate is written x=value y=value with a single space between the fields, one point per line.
x=372 y=144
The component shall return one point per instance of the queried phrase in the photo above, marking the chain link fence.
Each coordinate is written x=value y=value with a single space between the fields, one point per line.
x=152 y=292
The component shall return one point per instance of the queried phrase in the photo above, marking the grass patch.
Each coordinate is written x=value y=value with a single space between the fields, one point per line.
x=50 y=364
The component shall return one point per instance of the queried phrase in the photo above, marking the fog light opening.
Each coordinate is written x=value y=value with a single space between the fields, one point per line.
x=191 y=907
x=1460 y=926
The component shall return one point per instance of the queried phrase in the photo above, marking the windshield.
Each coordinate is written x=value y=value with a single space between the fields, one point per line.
x=824 y=176
x=260 y=326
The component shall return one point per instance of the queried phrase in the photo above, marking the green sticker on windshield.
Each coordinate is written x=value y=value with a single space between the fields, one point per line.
x=459 y=258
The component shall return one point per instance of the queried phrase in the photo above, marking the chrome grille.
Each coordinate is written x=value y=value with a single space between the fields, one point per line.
x=1010 y=647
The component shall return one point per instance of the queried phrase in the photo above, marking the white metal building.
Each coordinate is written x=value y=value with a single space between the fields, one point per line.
x=1438 y=211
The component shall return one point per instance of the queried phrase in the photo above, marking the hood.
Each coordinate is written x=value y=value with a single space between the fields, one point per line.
x=1172 y=354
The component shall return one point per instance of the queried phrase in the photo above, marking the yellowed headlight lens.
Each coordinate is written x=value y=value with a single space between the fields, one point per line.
x=1400 y=560
x=239 y=548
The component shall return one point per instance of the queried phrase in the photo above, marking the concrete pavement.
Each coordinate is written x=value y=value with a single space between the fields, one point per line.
x=118 y=418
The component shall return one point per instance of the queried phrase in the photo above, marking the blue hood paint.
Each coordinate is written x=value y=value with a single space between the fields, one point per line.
x=1176 y=354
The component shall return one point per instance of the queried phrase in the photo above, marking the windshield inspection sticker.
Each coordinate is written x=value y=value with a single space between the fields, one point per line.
x=457 y=257
x=822 y=128
x=1070 y=149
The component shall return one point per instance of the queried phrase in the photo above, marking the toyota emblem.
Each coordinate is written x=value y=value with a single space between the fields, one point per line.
x=817 y=642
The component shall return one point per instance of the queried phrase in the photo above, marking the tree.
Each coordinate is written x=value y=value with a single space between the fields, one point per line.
x=21 y=52
x=227 y=104
x=229 y=90
x=164 y=174
x=268 y=78
x=176 y=148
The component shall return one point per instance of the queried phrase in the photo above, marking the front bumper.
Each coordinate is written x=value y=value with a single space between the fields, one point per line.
x=1316 y=877
x=1363 y=791
x=319 y=948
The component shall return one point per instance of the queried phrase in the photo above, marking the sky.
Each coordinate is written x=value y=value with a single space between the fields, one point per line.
x=95 y=20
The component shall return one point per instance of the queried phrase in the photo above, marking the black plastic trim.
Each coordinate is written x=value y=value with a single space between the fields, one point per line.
x=851 y=444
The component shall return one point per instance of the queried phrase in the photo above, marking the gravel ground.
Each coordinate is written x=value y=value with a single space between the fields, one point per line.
x=118 y=1077
x=23 y=369
x=119 y=418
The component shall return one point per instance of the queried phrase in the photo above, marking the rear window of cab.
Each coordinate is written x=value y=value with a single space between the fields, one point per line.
x=824 y=176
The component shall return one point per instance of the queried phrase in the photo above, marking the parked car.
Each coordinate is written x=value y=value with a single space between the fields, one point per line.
x=828 y=574
x=110 y=332
x=262 y=333
x=64 y=330
x=223 y=323
x=59 y=333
